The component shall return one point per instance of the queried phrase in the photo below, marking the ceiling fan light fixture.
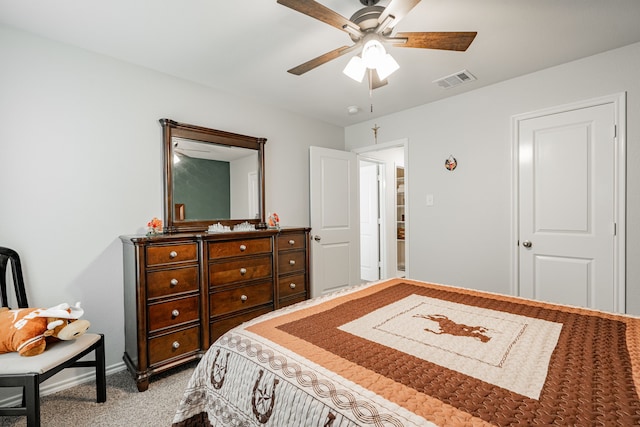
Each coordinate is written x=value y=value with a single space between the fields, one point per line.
x=355 y=69
x=373 y=57
x=387 y=66
x=372 y=54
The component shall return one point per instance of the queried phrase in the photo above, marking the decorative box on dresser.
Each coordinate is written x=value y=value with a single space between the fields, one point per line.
x=183 y=291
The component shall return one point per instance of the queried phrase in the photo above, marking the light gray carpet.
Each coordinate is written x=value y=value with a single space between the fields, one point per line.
x=125 y=406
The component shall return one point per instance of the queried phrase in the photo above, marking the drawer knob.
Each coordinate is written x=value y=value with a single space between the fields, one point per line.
x=292 y=262
x=173 y=254
x=292 y=285
x=175 y=313
x=292 y=242
x=243 y=248
x=243 y=298
x=243 y=271
x=174 y=282
x=175 y=345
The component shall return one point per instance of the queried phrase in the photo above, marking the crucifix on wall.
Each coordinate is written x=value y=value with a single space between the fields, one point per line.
x=375 y=133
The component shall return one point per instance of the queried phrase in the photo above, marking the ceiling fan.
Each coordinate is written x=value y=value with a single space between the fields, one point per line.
x=370 y=28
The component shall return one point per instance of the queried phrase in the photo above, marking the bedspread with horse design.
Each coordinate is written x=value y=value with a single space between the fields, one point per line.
x=408 y=353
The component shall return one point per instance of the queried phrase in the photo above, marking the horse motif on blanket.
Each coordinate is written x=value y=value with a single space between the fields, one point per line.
x=448 y=326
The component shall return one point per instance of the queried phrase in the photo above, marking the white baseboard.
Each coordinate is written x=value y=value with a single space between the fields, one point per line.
x=51 y=386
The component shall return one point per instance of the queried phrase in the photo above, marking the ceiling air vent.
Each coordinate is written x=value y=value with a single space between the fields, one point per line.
x=455 y=79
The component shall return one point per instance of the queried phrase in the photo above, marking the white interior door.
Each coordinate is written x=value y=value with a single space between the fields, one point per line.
x=369 y=221
x=335 y=254
x=389 y=155
x=566 y=207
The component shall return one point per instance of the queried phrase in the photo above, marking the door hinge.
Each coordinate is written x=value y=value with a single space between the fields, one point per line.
x=615 y=229
x=615 y=131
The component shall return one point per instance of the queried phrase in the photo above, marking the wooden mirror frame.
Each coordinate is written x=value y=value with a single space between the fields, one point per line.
x=172 y=129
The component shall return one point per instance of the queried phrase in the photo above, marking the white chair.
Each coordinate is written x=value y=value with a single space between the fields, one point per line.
x=29 y=372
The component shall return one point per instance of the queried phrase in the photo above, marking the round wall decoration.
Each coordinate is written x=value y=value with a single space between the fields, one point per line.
x=451 y=163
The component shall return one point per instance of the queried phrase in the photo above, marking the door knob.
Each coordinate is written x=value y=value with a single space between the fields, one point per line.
x=526 y=244
x=317 y=238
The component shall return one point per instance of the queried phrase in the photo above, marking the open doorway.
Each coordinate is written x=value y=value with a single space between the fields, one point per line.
x=383 y=211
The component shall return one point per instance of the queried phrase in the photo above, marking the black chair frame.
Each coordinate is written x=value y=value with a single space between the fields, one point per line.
x=10 y=256
x=30 y=382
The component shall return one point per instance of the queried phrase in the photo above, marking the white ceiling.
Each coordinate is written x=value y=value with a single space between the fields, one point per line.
x=244 y=47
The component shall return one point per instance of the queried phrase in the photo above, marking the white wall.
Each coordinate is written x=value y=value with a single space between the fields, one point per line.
x=464 y=239
x=81 y=164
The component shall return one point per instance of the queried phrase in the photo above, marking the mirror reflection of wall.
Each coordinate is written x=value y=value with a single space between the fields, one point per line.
x=213 y=181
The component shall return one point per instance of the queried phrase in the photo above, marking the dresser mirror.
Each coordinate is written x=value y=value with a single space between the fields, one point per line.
x=210 y=177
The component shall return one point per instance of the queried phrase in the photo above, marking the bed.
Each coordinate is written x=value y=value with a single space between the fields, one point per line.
x=408 y=353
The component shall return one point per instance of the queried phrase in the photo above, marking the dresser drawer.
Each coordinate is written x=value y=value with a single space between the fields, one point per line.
x=218 y=328
x=240 y=298
x=171 y=254
x=174 y=345
x=291 y=301
x=289 y=262
x=240 y=270
x=292 y=241
x=173 y=312
x=291 y=285
x=239 y=247
x=167 y=282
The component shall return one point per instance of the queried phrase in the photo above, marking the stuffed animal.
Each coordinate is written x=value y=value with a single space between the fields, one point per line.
x=27 y=330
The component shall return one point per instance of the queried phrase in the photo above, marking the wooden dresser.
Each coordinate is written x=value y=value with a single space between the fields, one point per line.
x=183 y=291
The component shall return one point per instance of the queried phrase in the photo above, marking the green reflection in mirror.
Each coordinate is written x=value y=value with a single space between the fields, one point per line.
x=202 y=188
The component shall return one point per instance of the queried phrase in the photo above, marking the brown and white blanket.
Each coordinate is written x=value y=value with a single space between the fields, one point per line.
x=408 y=353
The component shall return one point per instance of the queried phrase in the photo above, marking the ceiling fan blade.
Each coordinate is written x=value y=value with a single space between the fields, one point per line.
x=459 y=41
x=398 y=9
x=322 y=59
x=321 y=13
